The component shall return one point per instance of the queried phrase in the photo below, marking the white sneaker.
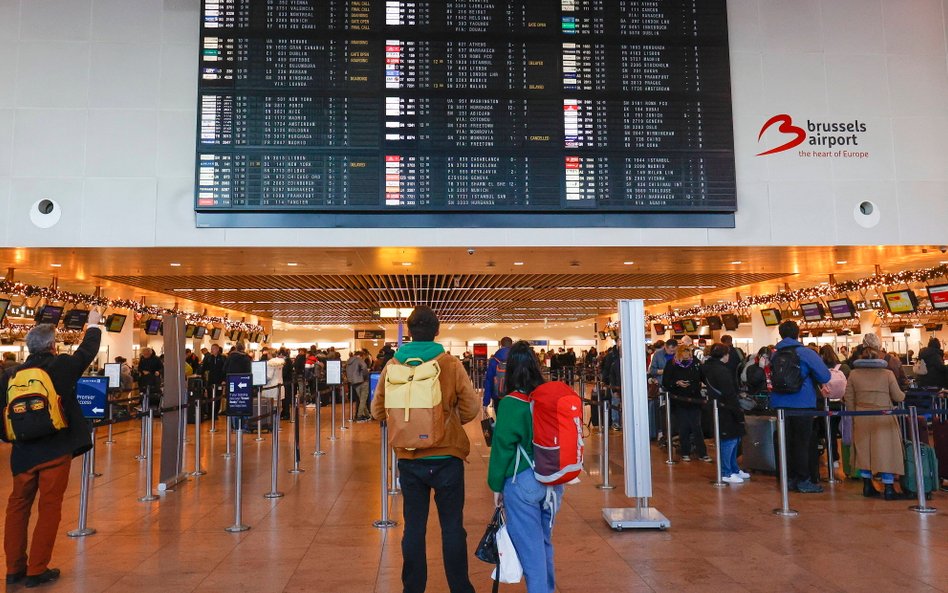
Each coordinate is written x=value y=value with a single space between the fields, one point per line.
x=733 y=479
x=743 y=474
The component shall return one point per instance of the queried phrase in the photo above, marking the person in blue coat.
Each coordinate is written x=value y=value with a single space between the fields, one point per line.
x=490 y=393
x=799 y=429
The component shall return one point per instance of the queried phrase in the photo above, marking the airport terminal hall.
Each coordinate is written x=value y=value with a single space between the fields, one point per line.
x=456 y=296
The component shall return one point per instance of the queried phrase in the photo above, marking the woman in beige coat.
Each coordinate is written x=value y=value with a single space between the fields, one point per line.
x=877 y=443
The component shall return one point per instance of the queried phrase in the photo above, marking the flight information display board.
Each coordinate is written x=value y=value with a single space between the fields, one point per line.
x=470 y=112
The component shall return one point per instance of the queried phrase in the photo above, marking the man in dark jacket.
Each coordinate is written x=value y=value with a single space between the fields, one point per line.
x=933 y=355
x=238 y=361
x=42 y=465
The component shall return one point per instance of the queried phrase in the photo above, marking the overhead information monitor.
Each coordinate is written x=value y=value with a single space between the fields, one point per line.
x=464 y=112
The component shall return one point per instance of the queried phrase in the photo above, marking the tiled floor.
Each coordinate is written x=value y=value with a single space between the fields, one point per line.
x=319 y=537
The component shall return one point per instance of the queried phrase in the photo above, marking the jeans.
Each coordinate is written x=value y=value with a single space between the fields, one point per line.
x=530 y=525
x=418 y=478
x=689 y=431
x=615 y=412
x=886 y=477
x=49 y=480
x=800 y=449
x=729 y=456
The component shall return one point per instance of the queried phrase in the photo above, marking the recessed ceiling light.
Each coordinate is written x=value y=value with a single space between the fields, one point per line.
x=944 y=261
x=56 y=265
x=841 y=262
x=736 y=262
x=406 y=263
x=175 y=264
x=292 y=263
x=628 y=263
x=518 y=263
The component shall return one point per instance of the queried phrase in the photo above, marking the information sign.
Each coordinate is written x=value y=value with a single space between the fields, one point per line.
x=91 y=393
x=239 y=389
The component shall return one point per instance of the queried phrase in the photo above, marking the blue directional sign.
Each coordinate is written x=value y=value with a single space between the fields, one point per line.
x=91 y=393
x=239 y=390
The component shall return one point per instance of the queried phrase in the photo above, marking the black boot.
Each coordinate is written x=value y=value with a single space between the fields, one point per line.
x=868 y=490
x=890 y=494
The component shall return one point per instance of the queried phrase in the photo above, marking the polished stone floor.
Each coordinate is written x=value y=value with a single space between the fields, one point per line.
x=319 y=537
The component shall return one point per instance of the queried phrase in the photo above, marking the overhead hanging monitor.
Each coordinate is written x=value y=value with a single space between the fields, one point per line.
x=153 y=327
x=901 y=301
x=189 y=331
x=199 y=332
x=75 y=319
x=771 y=317
x=216 y=333
x=659 y=329
x=115 y=322
x=841 y=308
x=714 y=323
x=49 y=314
x=812 y=311
x=430 y=113
x=4 y=305
x=731 y=321
x=937 y=294
x=678 y=327
x=689 y=326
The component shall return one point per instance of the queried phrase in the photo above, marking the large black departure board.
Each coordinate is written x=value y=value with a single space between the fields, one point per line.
x=464 y=112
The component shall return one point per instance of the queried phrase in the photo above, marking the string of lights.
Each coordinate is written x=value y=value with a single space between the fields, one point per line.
x=52 y=295
x=862 y=285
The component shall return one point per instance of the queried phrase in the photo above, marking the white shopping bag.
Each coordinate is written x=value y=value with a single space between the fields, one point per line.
x=510 y=569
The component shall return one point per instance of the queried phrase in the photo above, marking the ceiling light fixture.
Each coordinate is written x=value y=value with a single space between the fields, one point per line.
x=518 y=263
x=292 y=263
x=736 y=262
x=841 y=262
x=175 y=264
x=406 y=263
x=628 y=263
x=56 y=265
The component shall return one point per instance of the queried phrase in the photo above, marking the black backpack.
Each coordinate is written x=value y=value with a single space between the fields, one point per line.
x=786 y=376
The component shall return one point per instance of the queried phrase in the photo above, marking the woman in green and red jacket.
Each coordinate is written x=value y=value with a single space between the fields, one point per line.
x=529 y=505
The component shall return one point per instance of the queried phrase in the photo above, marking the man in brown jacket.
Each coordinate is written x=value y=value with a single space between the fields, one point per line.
x=439 y=468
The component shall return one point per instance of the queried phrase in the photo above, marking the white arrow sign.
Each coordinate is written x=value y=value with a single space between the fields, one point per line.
x=97 y=410
x=241 y=385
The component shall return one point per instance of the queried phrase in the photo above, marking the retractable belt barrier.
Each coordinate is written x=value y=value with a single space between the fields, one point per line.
x=198 y=420
x=274 y=446
x=911 y=412
x=238 y=525
x=384 y=522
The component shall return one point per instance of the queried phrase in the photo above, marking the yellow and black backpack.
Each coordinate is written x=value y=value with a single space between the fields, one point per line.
x=33 y=408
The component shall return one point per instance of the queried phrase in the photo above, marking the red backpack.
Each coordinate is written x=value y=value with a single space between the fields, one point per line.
x=557 y=433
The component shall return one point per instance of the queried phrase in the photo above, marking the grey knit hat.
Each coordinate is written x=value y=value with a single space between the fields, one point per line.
x=872 y=341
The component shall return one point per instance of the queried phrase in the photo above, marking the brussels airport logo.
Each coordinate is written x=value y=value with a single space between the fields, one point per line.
x=820 y=139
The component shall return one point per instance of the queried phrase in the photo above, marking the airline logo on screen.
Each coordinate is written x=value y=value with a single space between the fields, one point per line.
x=820 y=139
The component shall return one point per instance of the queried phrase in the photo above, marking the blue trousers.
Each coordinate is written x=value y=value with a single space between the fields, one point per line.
x=729 y=456
x=887 y=478
x=530 y=525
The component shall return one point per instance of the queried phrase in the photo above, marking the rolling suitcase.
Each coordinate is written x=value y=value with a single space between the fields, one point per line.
x=940 y=432
x=653 y=419
x=929 y=469
x=758 y=444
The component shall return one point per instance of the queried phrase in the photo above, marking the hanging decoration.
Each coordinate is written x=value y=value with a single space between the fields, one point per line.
x=862 y=285
x=29 y=291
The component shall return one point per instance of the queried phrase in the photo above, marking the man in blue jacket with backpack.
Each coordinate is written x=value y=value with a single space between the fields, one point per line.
x=796 y=373
x=496 y=371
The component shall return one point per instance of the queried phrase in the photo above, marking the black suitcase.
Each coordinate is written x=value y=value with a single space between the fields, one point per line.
x=758 y=444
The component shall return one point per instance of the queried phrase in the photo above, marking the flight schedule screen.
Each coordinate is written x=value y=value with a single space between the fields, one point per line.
x=334 y=112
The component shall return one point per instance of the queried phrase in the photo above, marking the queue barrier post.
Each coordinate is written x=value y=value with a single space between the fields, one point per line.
x=295 y=419
x=830 y=453
x=342 y=410
x=784 y=510
x=145 y=404
x=332 y=420
x=718 y=479
x=92 y=472
x=384 y=522
x=198 y=471
x=668 y=430
x=238 y=525
x=604 y=453
x=149 y=458
x=274 y=455
x=110 y=440
x=393 y=488
x=259 y=414
x=922 y=506
x=228 y=430
x=83 y=529
x=214 y=401
x=319 y=430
